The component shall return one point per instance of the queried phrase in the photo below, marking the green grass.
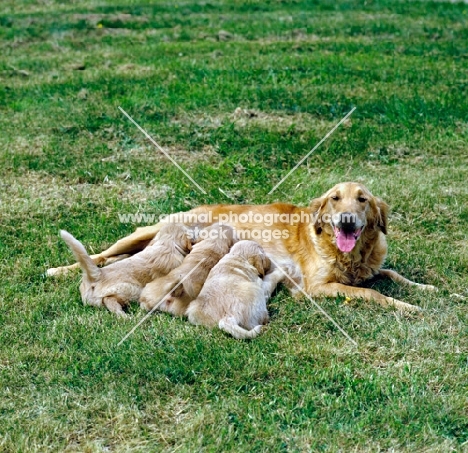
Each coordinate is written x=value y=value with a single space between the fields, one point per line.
x=71 y=160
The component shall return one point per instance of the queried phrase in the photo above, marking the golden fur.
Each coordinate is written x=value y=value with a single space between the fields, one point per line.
x=121 y=282
x=184 y=283
x=234 y=295
x=312 y=246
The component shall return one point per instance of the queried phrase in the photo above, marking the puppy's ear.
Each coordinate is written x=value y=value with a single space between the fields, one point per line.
x=235 y=237
x=266 y=264
x=379 y=214
x=195 y=236
x=261 y=262
x=317 y=205
x=230 y=234
x=188 y=242
x=178 y=292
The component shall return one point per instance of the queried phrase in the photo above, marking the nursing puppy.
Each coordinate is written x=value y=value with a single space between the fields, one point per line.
x=184 y=283
x=121 y=282
x=234 y=295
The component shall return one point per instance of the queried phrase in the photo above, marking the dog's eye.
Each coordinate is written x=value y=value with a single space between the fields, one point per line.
x=335 y=197
x=362 y=199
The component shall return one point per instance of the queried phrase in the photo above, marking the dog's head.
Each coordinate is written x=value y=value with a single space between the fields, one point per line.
x=177 y=234
x=217 y=231
x=254 y=254
x=346 y=211
x=92 y=291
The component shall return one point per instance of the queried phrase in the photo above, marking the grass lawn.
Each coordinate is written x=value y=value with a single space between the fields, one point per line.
x=237 y=92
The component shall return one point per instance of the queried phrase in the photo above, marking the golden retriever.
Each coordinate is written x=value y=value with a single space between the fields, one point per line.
x=234 y=295
x=121 y=282
x=338 y=241
x=190 y=276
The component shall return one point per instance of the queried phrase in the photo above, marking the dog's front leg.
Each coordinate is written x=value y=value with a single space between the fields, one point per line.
x=397 y=278
x=338 y=289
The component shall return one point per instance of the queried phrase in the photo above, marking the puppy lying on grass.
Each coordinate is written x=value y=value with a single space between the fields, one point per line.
x=234 y=295
x=183 y=284
x=114 y=286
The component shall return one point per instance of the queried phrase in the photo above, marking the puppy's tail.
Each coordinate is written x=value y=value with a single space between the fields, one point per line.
x=86 y=263
x=230 y=325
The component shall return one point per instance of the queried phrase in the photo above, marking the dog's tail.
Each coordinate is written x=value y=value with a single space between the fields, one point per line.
x=230 y=325
x=86 y=263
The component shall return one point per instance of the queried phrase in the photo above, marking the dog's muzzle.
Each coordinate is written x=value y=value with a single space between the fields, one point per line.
x=347 y=229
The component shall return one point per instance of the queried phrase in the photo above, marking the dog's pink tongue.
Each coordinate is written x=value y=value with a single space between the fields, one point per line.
x=345 y=242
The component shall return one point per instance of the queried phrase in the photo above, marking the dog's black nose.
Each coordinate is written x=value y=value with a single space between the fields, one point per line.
x=346 y=221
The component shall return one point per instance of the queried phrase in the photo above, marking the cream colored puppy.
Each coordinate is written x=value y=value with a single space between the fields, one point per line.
x=116 y=285
x=234 y=295
x=173 y=292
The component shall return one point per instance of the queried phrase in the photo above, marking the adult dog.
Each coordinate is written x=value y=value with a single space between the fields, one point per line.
x=338 y=242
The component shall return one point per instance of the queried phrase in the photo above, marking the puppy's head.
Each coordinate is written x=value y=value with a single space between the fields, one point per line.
x=254 y=254
x=176 y=233
x=91 y=292
x=345 y=211
x=223 y=233
x=228 y=234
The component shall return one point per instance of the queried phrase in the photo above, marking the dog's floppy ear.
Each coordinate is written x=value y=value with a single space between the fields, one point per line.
x=316 y=205
x=266 y=264
x=261 y=262
x=178 y=291
x=229 y=233
x=186 y=239
x=188 y=242
x=383 y=217
x=379 y=214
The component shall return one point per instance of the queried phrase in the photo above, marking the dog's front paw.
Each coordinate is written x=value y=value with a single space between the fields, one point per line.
x=427 y=287
x=54 y=271
x=403 y=306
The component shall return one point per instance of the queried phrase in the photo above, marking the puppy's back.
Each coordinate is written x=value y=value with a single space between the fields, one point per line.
x=205 y=255
x=232 y=297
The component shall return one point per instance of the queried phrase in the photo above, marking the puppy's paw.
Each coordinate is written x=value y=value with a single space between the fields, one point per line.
x=149 y=304
x=122 y=314
x=145 y=304
x=294 y=273
x=257 y=330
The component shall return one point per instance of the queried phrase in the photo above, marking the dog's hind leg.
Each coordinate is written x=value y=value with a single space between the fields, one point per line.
x=230 y=325
x=97 y=259
x=124 y=247
x=396 y=277
x=114 y=306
